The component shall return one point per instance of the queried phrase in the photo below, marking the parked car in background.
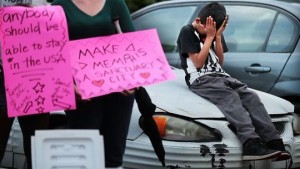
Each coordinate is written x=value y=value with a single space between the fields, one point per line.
x=264 y=52
x=262 y=38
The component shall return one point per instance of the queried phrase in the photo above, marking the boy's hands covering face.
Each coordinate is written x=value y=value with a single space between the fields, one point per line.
x=223 y=26
x=210 y=27
x=200 y=27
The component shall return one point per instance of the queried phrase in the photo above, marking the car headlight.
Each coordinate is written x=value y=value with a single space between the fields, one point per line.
x=180 y=129
x=296 y=123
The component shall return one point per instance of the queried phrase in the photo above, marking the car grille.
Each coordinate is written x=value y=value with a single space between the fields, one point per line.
x=280 y=126
x=141 y=153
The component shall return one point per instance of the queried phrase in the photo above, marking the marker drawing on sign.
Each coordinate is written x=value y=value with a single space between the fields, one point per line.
x=36 y=59
x=40 y=100
x=145 y=75
x=61 y=104
x=40 y=109
x=38 y=88
x=98 y=83
x=27 y=107
x=102 y=65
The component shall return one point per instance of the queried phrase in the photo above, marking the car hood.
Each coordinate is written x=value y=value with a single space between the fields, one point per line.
x=175 y=97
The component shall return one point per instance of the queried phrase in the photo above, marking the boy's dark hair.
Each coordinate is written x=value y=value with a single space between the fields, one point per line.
x=214 y=9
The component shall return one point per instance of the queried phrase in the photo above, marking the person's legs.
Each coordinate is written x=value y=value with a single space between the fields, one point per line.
x=258 y=113
x=260 y=118
x=87 y=115
x=5 y=128
x=229 y=103
x=219 y=92
x=111 y=115
x=28 y=126
x=115 y=127
x=5 y=122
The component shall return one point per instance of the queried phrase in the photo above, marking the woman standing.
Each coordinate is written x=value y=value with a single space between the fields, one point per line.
x=110 y=114
x=28 y=124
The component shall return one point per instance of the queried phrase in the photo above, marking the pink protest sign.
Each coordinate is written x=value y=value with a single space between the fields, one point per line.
x=36 y=62
x=114 y=63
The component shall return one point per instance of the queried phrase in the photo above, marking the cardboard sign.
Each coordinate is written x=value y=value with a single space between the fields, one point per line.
x=36 y=62
x=118 y=62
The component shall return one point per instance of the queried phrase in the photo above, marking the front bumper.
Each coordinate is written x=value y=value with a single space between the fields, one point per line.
x=225 y=154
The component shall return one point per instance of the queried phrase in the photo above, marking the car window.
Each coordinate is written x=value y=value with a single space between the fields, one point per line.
x=248 y=28
x=168 y=22
x=283 y=35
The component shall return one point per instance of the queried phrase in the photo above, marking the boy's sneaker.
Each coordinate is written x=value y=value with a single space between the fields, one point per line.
x=277 y=144
x=254 y=149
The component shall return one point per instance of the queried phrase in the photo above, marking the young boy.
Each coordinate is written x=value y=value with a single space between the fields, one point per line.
x=200 y=47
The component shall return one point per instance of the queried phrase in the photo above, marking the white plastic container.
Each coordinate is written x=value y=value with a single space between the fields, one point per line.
x=65 y=149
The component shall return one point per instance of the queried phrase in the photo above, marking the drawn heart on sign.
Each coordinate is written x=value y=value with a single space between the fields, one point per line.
x=145 y=75
x=98 y=83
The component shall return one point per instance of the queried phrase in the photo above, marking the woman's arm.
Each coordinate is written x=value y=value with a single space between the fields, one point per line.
x=121 y=9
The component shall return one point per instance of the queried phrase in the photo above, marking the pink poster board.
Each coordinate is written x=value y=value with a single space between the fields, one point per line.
x=36 y=62
x=118 y=62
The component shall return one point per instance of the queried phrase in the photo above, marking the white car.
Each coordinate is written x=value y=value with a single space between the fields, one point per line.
x=195 y=134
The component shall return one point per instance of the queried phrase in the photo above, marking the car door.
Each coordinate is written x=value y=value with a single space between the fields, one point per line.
x=168 y=20
x=260 y=40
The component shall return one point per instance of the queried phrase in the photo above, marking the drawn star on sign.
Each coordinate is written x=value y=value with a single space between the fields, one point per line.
x=38 y=87
x=40 y=100
x=40 y=109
